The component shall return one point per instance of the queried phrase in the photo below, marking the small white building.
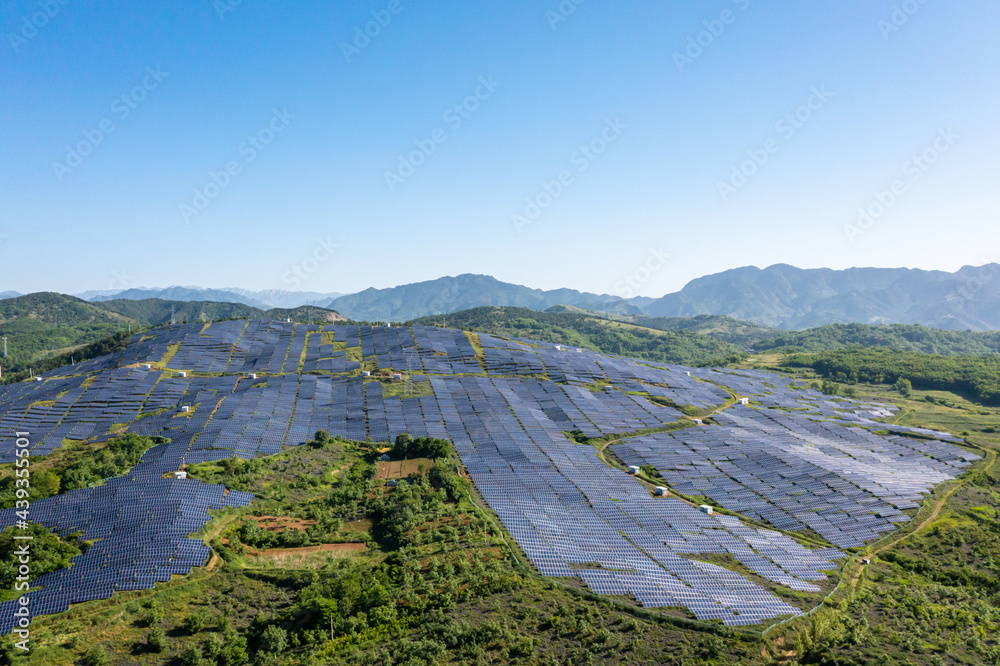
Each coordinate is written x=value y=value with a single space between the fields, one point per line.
x=180 y=474
x=706 y=509
x=365 y=373
x=662 y=492
x=182 y=374
x=698 y=422
x=38 y=379
x=185 y=408
x=633 y=469
x=744 y=401
x=866 y=560
x=147 y=366
x=397 y=375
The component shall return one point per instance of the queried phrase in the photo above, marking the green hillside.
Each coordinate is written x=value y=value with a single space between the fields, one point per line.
x=972 y=376
x=155 y=311
x=40 y=325
x=591 y=332
x=898 y=337
x=47 y=330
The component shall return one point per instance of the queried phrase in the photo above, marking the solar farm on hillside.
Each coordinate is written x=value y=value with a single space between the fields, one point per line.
x=792 y=458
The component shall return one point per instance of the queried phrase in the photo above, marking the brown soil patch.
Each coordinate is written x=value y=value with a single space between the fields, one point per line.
x=281 y=523
x=400 y=469
x=273 y=552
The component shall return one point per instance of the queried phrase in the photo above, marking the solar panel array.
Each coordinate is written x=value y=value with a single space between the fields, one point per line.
x=795 y=458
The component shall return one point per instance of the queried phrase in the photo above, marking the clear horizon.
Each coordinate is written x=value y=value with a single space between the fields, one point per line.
x=555 y=144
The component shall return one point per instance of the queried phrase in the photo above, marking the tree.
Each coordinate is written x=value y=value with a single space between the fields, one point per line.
x=191 y=656
x=196 y=622
x=156 y=639
x=274 y=639
x=904 y=386
x=96 y=656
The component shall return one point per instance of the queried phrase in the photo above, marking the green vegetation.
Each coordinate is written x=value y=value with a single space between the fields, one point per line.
x=978 y=377
x=47 y=553
x=48 y=330
x=420 y=447
x=41 y=328
x=155 y=311
x=114 y=459
x=898 y=337
x=591 y=332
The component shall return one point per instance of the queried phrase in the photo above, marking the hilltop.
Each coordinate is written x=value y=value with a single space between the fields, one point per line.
x=40 y=327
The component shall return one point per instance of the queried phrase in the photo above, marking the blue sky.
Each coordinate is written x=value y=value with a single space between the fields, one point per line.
x=274 y=145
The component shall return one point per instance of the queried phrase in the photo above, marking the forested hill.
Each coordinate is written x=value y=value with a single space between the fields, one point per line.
x=153 y=311
x=591 y=332
x=900 y=337
x=40 y=328
x=38 y=324
x=652 y=335
x=975 y=377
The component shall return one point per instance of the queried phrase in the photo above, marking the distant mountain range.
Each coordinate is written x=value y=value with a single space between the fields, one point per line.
x=452 y=294
x=262 y=300
x=795 y=299
x=779 y=296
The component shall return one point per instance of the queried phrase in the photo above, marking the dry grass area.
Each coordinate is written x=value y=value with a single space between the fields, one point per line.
x=364 y=526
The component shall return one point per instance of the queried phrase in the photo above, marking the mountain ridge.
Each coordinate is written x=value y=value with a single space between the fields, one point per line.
x=780 y=296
